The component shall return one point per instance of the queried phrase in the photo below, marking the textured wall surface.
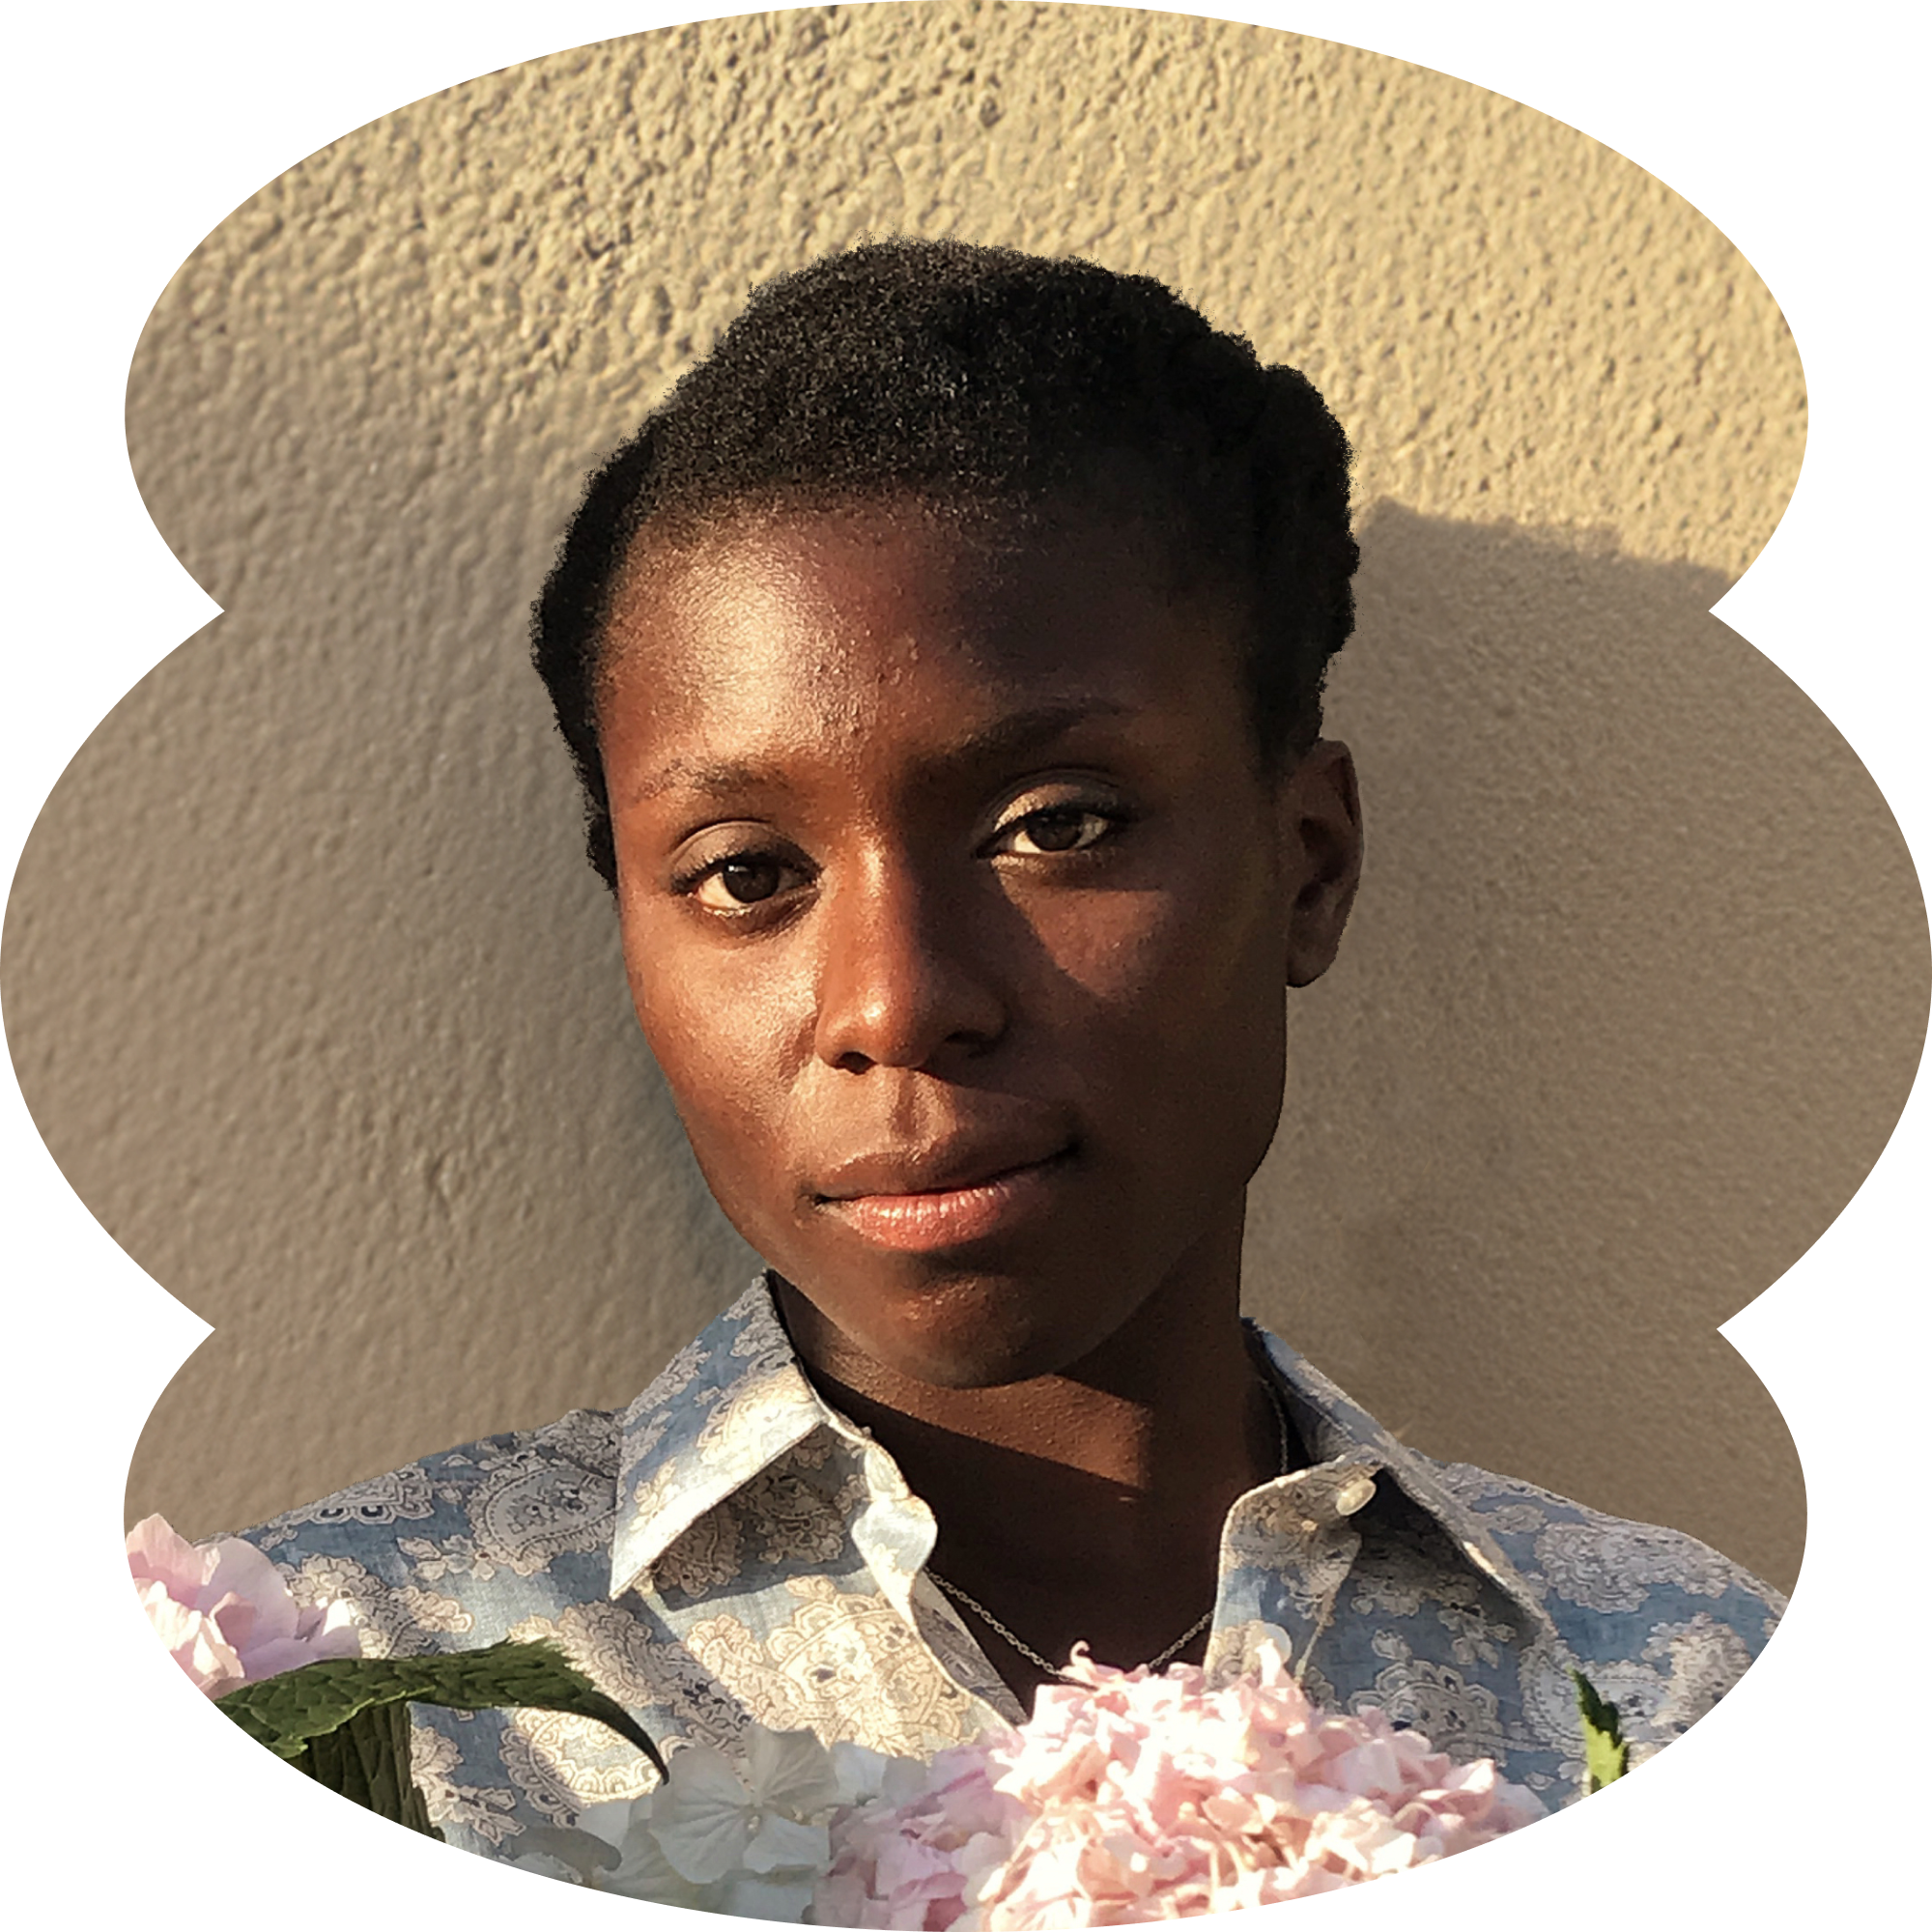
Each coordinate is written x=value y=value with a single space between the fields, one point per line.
x=321 y=1013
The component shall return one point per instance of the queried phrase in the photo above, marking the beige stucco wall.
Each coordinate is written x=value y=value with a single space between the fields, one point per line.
x=320 y=1011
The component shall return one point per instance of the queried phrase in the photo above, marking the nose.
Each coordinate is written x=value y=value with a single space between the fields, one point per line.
x=902 y=982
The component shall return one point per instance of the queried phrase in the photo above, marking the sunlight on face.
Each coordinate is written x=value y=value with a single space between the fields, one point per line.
x=957 y=913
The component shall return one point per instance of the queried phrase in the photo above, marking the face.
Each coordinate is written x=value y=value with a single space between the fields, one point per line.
x=958 y=915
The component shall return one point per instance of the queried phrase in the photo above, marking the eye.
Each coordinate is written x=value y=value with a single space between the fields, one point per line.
x=1056 y=828
x=740 y=881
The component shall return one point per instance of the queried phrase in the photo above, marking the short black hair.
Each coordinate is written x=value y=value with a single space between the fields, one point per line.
x=957 y=374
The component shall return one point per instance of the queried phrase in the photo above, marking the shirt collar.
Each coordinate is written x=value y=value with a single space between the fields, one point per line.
x=1338 y=1433
x=727 y=1406
x=735 y=1400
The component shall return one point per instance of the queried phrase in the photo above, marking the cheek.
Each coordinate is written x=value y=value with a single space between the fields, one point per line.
x=1174 y=1002
x=725 y=1102
x=710 y=1044
x=721 y=1038
x=1171 y=966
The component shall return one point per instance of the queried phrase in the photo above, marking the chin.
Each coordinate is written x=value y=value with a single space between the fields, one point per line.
x=975 y=1330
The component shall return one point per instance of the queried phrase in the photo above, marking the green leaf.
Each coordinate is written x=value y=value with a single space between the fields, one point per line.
x=1605 y=1754
x=367 y=1758
x=345 y=1721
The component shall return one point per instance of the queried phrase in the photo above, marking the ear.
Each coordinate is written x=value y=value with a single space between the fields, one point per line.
x=1319 y=820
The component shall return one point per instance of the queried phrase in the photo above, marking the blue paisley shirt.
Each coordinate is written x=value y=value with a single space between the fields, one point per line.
x=728 y=1550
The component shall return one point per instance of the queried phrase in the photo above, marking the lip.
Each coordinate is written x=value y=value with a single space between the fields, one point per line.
x=959 y=1161
x=945 y=1197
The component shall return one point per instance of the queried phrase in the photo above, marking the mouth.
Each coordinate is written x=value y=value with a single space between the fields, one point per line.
x=922 y=1208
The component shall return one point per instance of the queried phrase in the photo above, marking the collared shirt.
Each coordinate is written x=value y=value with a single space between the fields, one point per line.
x=730 y=1550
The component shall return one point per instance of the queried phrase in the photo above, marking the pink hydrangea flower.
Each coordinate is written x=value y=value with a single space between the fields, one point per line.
x=1130 y=1796
x=224 y=1612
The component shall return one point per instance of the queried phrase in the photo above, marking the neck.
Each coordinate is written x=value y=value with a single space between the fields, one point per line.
x=1086 y=1504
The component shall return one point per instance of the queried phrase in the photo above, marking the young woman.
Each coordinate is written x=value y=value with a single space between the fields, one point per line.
x=943 y=666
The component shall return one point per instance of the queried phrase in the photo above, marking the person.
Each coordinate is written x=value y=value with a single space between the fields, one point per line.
x=943 y=663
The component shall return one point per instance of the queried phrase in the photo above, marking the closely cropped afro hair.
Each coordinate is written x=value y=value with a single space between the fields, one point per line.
x=982 y=376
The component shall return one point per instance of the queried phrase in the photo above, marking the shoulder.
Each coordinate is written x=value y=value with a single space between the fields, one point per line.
x=445 y=1551
x=1583 y=1556
x=1663 y=1624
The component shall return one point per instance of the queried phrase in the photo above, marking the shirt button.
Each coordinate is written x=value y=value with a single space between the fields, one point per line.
x=1355 y=1494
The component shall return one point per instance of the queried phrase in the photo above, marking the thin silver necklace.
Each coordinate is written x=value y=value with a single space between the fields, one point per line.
x=1181 y=1643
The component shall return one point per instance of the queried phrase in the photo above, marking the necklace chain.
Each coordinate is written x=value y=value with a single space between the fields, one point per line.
x=1181 y=1643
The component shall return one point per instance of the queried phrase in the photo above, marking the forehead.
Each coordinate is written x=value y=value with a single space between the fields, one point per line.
x=872 y=623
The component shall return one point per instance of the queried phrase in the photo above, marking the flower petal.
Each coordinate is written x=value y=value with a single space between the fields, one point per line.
x=789 y=1771
x=783 y=1843
x=701 y=1815
x=644 y=1872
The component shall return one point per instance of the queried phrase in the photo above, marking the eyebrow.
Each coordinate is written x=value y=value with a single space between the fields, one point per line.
x=1008 y=737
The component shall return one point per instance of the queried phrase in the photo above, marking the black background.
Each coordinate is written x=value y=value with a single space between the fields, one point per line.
x=1778 y=146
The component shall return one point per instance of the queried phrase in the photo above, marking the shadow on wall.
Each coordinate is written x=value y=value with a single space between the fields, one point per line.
x=1633 y=995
